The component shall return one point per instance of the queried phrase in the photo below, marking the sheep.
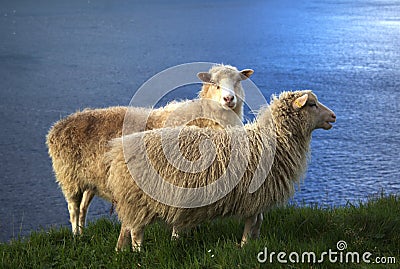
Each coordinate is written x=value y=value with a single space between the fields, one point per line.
x=264 y=179
x=78 y=142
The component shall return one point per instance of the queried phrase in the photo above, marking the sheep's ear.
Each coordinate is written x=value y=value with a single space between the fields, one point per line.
x=204 y=76
x=246 y=73
x=300 y=102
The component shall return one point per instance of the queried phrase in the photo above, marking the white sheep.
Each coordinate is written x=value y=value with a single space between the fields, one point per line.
x=285 y=127
x=78 y=142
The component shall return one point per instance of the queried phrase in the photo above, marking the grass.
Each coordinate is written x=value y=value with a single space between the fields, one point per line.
x=370 y=227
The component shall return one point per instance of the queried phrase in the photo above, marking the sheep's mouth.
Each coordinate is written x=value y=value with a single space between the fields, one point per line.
x=328 y=124
x=231 y=105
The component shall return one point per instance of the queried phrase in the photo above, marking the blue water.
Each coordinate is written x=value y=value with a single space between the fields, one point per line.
x=56 y=58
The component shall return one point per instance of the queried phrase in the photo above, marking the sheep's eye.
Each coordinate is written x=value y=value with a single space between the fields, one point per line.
x=312 y=104
x=218 y=87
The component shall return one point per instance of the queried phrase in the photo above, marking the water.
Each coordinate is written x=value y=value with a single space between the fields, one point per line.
x=57 y=58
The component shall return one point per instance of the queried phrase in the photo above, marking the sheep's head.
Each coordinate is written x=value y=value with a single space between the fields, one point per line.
x=222 y=84
x=318 y=115
x=300 y=111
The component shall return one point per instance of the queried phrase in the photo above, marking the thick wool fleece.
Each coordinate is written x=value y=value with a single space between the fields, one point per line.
x=280 y=132
x=77 y=144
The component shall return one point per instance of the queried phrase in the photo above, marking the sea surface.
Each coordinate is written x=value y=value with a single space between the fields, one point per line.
x=57 y=57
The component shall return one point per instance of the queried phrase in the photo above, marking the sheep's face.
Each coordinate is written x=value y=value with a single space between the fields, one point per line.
x=224 y=92
x=315 y=113
x=223 y=85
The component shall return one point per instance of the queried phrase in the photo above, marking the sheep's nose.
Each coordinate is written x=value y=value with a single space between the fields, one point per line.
x=333 y=116
x=228 y=99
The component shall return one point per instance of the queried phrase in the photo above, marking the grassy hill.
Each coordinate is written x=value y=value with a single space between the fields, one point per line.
x=373 y=227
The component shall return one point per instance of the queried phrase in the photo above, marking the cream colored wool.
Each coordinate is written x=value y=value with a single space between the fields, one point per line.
x=77 y=144
x=291 y=119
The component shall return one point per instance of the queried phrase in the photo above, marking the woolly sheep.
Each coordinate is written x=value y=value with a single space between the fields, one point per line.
x=77 y=143
x=287 y=123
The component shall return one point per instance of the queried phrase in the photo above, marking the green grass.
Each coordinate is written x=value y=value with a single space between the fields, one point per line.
x=373 y=227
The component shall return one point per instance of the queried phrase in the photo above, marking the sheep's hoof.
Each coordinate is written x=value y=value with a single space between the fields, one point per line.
x=76 y=233
x=122 y=249
x=136 y=248
x=174 y=236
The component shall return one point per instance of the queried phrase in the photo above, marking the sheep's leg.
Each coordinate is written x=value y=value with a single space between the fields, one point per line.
x=137 y=238
x=73 y=208
x=85 y=202
x=249 y=225
x=123 y=238
x=175 y=234
x=255 y=231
